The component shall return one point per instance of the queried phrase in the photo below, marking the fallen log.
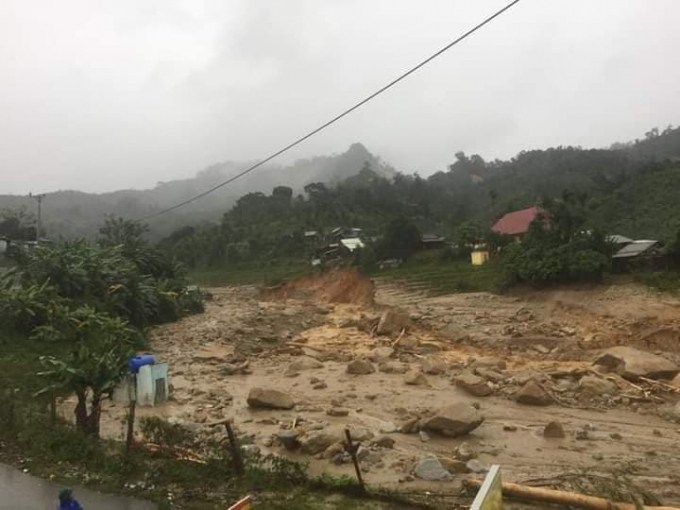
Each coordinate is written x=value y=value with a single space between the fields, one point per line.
x=555 y=497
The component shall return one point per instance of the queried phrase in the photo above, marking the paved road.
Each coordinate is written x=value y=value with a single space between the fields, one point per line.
x=19 y=491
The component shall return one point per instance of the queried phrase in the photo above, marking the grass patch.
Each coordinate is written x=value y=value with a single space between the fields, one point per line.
x=427 y=272
x=254 y=273
x=665 y=281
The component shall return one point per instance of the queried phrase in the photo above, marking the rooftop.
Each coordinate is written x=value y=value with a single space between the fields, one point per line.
x=517 y=222
x=634 y=249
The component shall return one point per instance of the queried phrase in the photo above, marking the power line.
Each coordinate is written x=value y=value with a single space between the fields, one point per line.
x=336 y=118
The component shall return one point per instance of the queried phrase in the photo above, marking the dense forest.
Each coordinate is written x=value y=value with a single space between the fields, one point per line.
x=629 y=189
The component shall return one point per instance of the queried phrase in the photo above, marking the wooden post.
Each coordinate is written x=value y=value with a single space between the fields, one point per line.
x=131 y=417
x=235 y=450
x=352 y=450
x=53 y=409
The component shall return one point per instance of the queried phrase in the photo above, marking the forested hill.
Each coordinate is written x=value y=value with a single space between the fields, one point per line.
x=630 y=189
x=73 y=214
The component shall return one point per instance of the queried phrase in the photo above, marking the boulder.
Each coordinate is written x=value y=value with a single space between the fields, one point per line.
x=476 y=466
x=455 y=420
x=381 y=354
x=358 y=434
x=433 y=366
x=317 y=442
x=473 y=384
x=392 y=322
x=593 y=386
x=416 y=378
x=490 y=375
x=289 y=439
x=453 y=466
x=554 y=430
x=384 y=442
x=360 y=367
x=533 y=394
x=269 y=399
x=454 y=333
x=303 y=363
x=393 y=367
x=429 y=468
x=333 y=450
x=632 y=364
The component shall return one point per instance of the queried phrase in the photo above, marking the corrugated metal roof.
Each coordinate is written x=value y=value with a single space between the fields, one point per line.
x=617 y=239
x=352 y=243
x=634 y=249
x=516 y=222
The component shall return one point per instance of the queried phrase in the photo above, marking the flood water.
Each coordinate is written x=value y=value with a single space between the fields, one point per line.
x=19 y=491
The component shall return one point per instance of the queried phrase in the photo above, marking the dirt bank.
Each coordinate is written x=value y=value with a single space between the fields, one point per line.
x=335 y=286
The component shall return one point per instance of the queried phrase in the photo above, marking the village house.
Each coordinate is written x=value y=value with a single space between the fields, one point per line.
x=516 y=224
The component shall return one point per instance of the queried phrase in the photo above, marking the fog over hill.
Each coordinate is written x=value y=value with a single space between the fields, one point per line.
x=71 y=213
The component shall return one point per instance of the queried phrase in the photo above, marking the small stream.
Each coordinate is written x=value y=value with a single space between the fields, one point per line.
x=19 y=491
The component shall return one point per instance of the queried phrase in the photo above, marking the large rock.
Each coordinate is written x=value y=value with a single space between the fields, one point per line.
x=360 y=367
x=456 y=420
x=289 y=439
x=429 y=468
x=269 y=399
x=454 y=333
x=554 y=430
x=633 y=363
x=434 y=366
x=316 y=442
x=473 y=384
x=303 y=363
x=380 y=354
x=393 y=367
x=594 y=386
x=392 y=321
x=416 y=378
x=533 y=394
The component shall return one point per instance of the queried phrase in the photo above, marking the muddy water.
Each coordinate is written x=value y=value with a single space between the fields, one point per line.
x=19 y=491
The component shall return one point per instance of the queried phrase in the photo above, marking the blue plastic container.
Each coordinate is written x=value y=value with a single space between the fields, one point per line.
x=140 y=361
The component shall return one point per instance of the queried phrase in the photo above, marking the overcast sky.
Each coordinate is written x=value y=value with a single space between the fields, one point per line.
x=106 y=95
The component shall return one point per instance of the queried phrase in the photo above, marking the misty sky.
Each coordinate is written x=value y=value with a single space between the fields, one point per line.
x=105 y=95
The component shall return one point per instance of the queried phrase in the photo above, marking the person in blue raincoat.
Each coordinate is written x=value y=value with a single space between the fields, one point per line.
x=67 y=501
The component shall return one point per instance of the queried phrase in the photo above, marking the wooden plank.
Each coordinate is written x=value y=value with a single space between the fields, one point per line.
x=490 y=495
x=243 y=504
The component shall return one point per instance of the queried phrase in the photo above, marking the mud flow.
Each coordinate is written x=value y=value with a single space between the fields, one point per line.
x=574 y=389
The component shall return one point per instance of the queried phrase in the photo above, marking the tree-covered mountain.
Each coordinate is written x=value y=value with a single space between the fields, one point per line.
x=631 y=189
x=72 y=214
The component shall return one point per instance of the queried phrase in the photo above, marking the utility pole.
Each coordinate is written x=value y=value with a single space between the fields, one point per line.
x=38 y=198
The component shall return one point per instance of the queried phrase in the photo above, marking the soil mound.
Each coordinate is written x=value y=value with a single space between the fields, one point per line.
x=335 y=286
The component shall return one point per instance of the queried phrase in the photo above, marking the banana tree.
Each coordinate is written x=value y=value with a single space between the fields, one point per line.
x=93 y=369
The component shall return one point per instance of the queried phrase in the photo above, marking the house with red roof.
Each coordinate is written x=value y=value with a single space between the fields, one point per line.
x=516 y=223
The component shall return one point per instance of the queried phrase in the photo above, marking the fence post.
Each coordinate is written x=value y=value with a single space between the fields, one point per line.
x=235 y=451
x=352 y=450
x=131 y=418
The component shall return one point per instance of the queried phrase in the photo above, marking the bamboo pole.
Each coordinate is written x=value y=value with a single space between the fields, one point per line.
x=555 y=497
